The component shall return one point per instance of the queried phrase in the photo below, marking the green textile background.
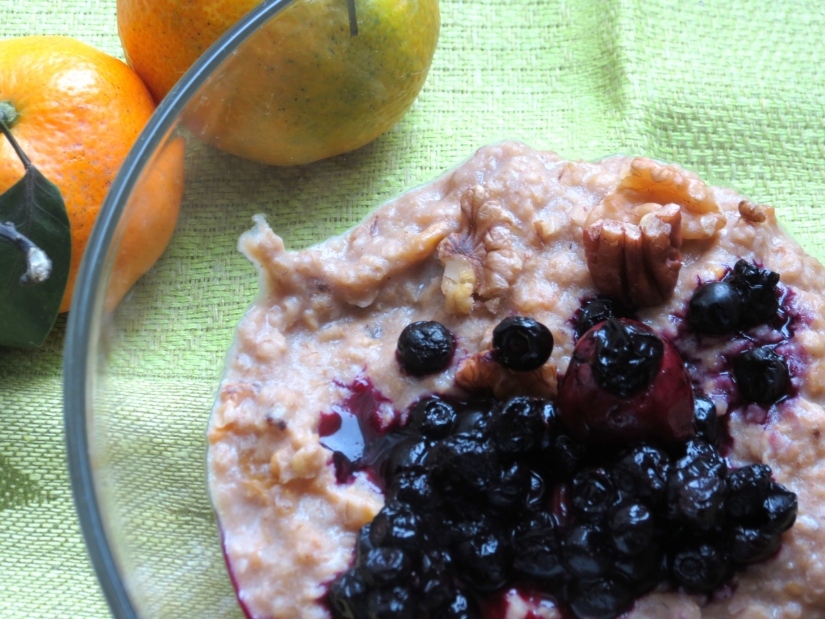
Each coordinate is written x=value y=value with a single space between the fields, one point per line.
x=733 y=89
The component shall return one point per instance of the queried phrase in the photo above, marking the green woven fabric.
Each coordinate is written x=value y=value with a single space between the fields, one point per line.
x=734 y=90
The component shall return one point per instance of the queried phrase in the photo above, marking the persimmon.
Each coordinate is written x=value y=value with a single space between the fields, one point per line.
x=78 y=112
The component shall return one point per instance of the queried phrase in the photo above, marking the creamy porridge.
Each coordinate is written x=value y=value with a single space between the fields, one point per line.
x=511 y=232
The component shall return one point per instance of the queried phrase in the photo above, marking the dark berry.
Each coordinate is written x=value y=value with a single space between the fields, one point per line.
x=364 y=544
x=642 y=474
x=425 y=347
x=396 y=526
x=511 y=488
x=383 y=566
x=698 y=566
x=696 y=500
x=632 y=528
x=564 y=457
x=592 y=493
x=522 y=344
x=762 y=375
x=747 y=490
x=704 y=419
x=535 y=496
x=517 y=426
x=758 y=289
x=624 y=385
x=587 y=551
x=644 y=570
x=436 y=586
x=414 y=488
x=715 y=308
x=464 y=463
x=391 y=603
x=536 y=548
x=410 y=453
x=627 y=357
x=460 y=607
x=348 y=595
x=749 y=545
x=700 y=458
x=596 y=311
x=484 y=561
x=432 y=417
x=474 y=423
x=780 y=508
x=600 y=598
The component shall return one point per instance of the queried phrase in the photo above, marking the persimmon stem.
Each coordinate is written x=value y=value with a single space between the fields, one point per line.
x=353 y=18
x=7 y=132
x=39 y=267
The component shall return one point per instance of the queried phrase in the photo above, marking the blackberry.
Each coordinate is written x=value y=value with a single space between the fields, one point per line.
x=425 y=347
x=627 y=357
x=522 y=344
x=464 y=463
x=432 y=417
x=716 y=308
x=347 y=595
x=384 y=566
x=484 y=560
x=780 y=507
x=600 y=598
x=517 y=426
x=747 y=490
x=632 y=528
x=396 y=525
x=704 y=419
x=592 y=493
x=762 y=375
x=698 y=566
x=391 y=603
x=596 y=311
x=758 y=289
x=749 y=545
x=642 y=473
x=586 y=551
x=536 y=548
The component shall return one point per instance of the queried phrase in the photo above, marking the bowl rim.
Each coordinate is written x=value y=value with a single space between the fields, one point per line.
x=83 y=321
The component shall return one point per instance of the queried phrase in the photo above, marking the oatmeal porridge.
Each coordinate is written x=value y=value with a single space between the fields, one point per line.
x=349 y=341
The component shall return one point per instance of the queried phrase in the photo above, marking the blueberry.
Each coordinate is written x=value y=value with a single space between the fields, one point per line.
x=780 y=508
x=521 y=344
x=517 y=426
x=596 y=311
x=409 y=453
x=600 y=598
x=425 y=347
x=464 y=463
x=383 y=566
x=347 y=595
x=535 y=496
x=747 y=490
x=536 y=548
x=564 y=457
x=475 y=423
x=592 y=493
x=432 y=417
x=415 y=488
x=698 y=566
x=642 y=474
x=627 y=357
x=396 y=526
x=644 y=570
x=364 y=545
x=510 y=490
x=762 y=375
x=484 y=561
x=701 y=458
x=749 y=545
x=715 y=308
x=758 y=289
x=632 y=528
x=460 y=607
x=436 y=586
x=586 y=551
x=697 y=500
x=704 y=419
x=391 y=603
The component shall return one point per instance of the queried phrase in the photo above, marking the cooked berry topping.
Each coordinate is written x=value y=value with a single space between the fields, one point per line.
x=749 y=545
x=586 y=551
x=642 y=473
x=625 y=384
x=409 y=453
x=600 y=598
x=522 y=344
x=535 y=495
x=414 y=488
x=716 y=308
x=536 y=548
x=464 y=463
x=396 y=526
x=704 y=419
x=510 y=490
x=425 y=347
x=383 y=566
x=644 y=570
x=364 y=545
x=564 y=457
x=780 y=507
x=437 y=588
x=758 y=289
x=747 y=490
x=761 y=375
x=592 y=493
x=485 y=560
x=432 y=417
x=700 y=457
x=697 y=490
x=348 y=595
x=517 y=426
x=596 y=311
x=391 y=603
x=632 y=528
x=460 y=607
x=698 y=566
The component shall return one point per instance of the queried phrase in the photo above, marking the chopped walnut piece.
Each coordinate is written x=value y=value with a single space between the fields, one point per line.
x=751 y=212
x=636 y=263
x=479 y=259
x=649 y=184
x=479 y=372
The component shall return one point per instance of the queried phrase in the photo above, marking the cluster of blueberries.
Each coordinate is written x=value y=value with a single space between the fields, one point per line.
x=484 y=495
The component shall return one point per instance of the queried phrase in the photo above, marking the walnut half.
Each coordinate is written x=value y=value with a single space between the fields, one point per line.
x=636 y=263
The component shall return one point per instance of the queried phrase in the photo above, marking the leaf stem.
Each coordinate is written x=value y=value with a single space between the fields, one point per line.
x=23 y=158
x=353 y=18
x=39 y=267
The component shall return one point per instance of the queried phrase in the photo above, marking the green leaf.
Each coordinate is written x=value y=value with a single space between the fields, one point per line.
x=36 y=209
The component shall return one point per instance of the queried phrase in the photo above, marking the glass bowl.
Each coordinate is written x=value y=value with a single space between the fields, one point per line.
x=140 y=378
